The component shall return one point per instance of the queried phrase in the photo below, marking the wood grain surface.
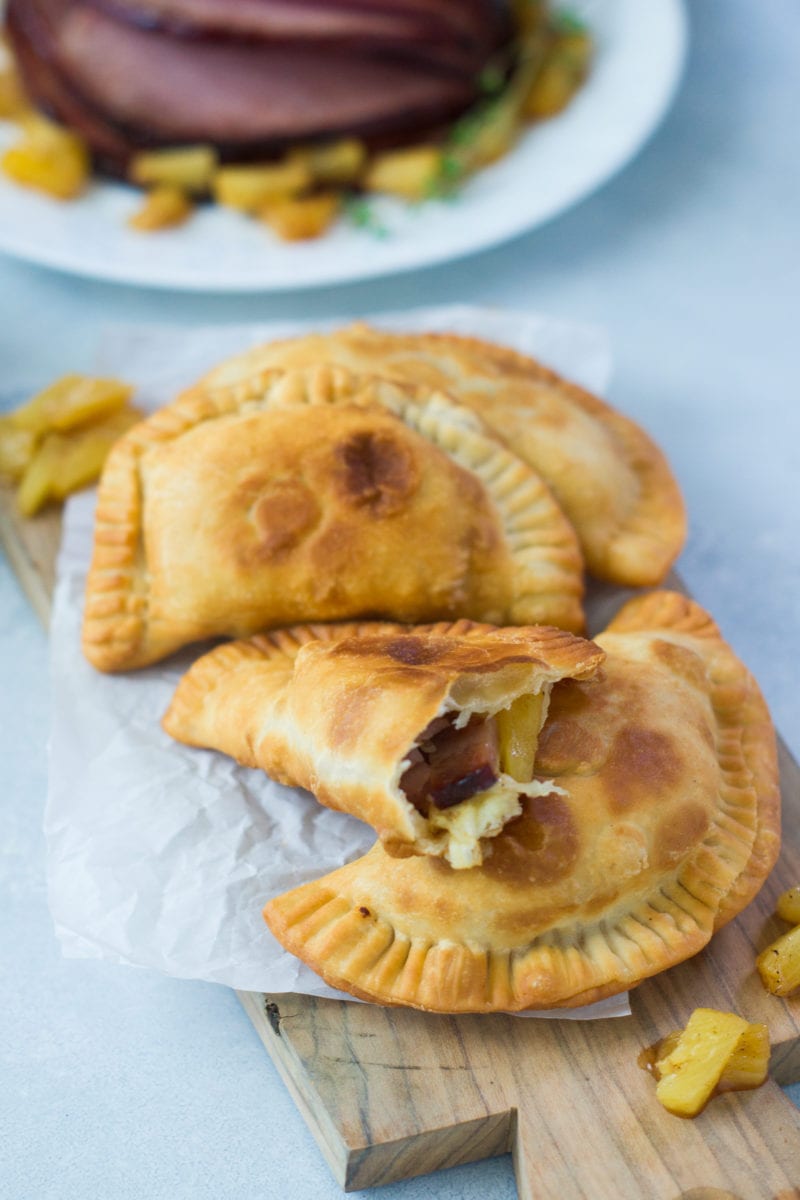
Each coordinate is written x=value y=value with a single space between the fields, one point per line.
x=390 y=1093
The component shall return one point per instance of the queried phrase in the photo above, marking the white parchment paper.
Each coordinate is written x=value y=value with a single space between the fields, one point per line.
x=161 y=855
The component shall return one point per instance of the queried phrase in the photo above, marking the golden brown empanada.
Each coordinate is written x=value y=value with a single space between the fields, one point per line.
x=427 y=733
x=317 y=495
x=664 y=825
x=610 y=479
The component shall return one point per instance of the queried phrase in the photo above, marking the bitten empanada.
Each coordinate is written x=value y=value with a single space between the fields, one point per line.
x=315 y=496
x=610 y=479
x=664 y=824
x=427 y=733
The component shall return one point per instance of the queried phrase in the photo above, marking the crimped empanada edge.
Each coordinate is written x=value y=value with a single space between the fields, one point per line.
x=564 y=653
x=118 y=631
x=560 y=969
x=637 y=556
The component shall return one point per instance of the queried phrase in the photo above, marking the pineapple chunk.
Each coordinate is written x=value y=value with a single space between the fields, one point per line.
x=17 y=447
x=190 y=168
x=518 y=728
x=779 y=964
x=250 y=188
x=71 y=401
x=35 y=488
x=747 y=1066
x=493 y=136
x=49 y=158
x=301 y=218
x=337 y=162
x=69 y=461
x=411 y=174
x=694 y=1067
x=12 y=98
x=788 y=906
x=164 y=207
x=562 y=73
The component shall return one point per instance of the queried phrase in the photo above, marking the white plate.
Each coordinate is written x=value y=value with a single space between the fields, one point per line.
x=640 y=52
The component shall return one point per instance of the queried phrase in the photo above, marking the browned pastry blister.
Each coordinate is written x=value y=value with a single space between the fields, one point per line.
x=663 y=824
x=317 y=495
x=427 y=733
x=609 y=477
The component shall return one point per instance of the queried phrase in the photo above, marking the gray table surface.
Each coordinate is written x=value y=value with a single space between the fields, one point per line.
x=120 y=1083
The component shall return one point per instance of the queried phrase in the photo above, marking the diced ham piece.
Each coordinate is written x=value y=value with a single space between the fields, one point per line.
x=451 y=765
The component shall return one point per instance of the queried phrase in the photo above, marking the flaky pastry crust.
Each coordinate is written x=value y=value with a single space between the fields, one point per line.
x=317 y=495
x=337 y=709
x=667 y=825
x=609 y=477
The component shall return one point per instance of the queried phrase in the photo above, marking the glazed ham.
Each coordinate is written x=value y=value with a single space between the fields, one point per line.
x=253 y=77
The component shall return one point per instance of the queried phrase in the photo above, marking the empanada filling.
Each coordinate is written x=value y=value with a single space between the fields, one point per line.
x=463 y=772
x=449 y=765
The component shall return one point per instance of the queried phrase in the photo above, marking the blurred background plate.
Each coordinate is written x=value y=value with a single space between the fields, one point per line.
x=640 y=53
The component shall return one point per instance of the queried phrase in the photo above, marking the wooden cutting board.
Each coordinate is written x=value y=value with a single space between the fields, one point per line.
x=390 y=1093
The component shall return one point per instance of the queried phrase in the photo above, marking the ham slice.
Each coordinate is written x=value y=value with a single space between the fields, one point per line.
x=454 y=31
x=252 y=76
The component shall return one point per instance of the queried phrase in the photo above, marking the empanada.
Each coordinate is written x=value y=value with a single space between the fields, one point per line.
x=317 y=495
x=610 y=479
x=427 y=733
x=665 y=823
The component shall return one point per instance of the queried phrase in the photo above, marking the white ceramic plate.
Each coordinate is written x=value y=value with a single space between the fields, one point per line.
x=640 y=52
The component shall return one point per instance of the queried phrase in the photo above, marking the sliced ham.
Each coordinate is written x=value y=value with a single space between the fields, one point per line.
x=252 y=76
x=460 y=32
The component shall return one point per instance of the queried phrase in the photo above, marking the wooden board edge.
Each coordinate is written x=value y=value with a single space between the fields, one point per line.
x=264 y=1015
x=390 y=1161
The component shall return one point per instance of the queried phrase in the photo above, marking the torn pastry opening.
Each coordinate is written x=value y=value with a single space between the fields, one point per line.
x=466 y=774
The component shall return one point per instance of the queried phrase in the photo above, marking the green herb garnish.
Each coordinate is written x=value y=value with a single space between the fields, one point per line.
x=491 y=80
x=568 y=22
x=360 y=213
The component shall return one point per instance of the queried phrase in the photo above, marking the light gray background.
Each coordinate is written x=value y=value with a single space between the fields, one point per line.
x=118 y=1083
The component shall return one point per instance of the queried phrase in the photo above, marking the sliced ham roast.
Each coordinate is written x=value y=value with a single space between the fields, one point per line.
x=253 y=76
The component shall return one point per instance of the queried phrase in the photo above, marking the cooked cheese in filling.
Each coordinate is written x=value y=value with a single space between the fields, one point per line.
x=483 y=816
x=466 y=772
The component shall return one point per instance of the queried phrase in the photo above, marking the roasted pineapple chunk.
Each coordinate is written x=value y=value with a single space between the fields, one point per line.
x=337 y=162
x=17 y=448
x=70 y=401
x=695 y=1066
x=189 y=168
x=747 y=1066
x=518 y=728
x=164 y=207
x=788 y=906
x=250 y=188
x=411 y=174
x=562 y=73
x=13 y=101
x=58 y=440
x=66 y=462
x=301 y=218
x=49 y=158
x=779 y=964
x=35 y=488
x=492 y=136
